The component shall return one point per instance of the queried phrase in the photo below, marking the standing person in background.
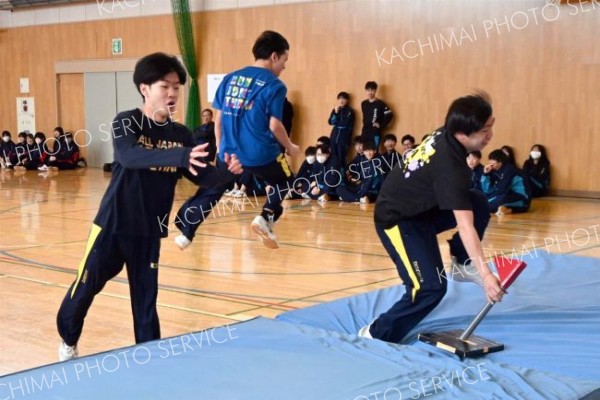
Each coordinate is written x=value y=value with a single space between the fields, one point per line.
x=205 y=133
x=342 y=120
x=376 y=115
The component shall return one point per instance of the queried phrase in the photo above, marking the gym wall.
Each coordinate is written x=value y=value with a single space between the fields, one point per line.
x=538 y=61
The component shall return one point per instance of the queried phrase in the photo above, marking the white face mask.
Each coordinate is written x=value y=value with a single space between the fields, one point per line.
x=5 y=139
x=321 y=159
x=535 y=154
x=38 y=140
x=310 y=159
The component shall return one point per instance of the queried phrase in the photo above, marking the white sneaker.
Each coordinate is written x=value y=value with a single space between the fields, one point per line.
x=66 y=352
x=263 y=229
x=238 y=194
x=182 y=242
x=43 y=168
x=465 y=273
x=365 y=332
x=364 y=200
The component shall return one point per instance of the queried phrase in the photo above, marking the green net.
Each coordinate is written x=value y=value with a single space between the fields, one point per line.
x=185 y=38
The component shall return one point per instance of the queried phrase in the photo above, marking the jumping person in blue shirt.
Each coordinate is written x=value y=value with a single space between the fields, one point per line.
x=248 y=123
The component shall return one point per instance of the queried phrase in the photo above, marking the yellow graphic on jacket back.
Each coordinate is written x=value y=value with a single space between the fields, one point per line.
x=421 y=155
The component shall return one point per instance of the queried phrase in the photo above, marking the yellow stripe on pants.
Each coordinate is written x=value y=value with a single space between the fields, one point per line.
x=396 y=239
x=284 y=165
x=90 y=243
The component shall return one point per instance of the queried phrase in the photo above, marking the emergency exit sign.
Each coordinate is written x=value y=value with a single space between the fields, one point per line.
x=117 y=46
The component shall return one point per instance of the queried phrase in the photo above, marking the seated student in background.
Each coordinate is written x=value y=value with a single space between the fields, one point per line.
x=504 y=185
x=327 y=174
x=20 y=150
x=31 y=158
x=56 y=144
x=41 y=151
x=324 y=140
x=304 y=177
x=68 y=155
x=369 y=178
x=408 y=143
x=510 y=153
x=474 y=162
x=7 y=150
x=358 y=158
x=391 y=158
x=537 y=170
x=342 y=119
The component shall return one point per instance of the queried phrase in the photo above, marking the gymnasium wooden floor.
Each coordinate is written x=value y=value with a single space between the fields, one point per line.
x=327 y=252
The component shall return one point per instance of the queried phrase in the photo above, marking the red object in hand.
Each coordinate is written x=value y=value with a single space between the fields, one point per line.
x=508 y=270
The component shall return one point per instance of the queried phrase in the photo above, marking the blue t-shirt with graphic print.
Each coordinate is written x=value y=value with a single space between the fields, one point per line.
x=248 y=98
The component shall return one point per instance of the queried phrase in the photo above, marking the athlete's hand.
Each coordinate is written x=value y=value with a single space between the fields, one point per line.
x=196 y=152
x=293 y=150
x=492 y=288
x=487 y=169
x=233 y=164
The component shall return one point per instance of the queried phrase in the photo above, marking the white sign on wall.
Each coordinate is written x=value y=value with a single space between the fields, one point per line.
x=25 y=114
x=212 y=82
x=24 y=85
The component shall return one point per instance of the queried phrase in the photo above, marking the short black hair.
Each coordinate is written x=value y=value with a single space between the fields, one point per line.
x=468 y=114
x=154 y=67
x=310 y=151
x=371 y=85
x=324 y=140
x=499 y=156
x=357 y=140
x=40 y=135
x=343 y=95
x=5 y=133
x=267 y=43
x=408 y=137
x=369 y=145
x=207 y=109
x=60 y=130
x=29 y=136
x=324 y=149
x=390 y=136
x=22 y=134
x=475 y=153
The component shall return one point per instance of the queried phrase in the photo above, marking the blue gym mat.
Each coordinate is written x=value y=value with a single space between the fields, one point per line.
x=549 y=324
